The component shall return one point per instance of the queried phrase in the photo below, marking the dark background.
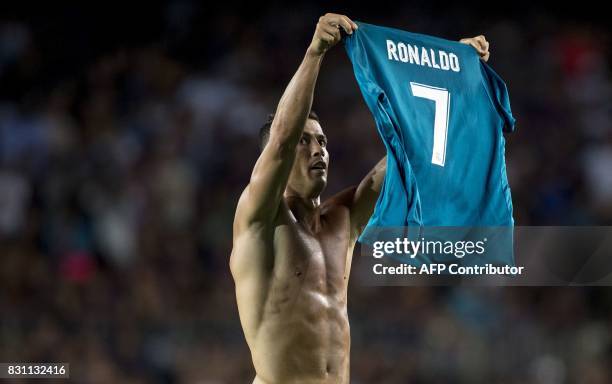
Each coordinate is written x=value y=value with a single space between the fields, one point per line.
x=127 y=132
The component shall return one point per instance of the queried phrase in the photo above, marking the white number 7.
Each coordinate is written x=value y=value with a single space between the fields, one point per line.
x=441 y=97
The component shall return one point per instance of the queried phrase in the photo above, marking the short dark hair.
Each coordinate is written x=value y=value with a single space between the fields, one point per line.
x=264 y=131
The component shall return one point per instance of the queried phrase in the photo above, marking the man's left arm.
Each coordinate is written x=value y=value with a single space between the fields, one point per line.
x=365 y=196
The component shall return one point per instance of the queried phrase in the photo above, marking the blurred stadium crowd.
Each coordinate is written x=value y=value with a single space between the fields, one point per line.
x=125 y=140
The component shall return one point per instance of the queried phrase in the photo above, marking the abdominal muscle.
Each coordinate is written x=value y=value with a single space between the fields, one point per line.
x=304 y=341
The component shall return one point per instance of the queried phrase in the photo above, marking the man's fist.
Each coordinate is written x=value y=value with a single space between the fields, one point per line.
x=327 y=33
x=481 y=45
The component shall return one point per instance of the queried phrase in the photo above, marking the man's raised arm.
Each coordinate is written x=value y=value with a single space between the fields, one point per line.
x=261 y=198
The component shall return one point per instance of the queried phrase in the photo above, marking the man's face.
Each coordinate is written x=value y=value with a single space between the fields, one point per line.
x=308 y=176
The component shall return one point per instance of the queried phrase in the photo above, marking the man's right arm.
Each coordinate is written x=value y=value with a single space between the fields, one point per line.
x=261 y=199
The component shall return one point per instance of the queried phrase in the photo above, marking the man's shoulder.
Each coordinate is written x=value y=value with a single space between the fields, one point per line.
x=341 y=200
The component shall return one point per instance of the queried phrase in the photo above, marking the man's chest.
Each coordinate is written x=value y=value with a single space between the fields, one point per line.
x=320 y=258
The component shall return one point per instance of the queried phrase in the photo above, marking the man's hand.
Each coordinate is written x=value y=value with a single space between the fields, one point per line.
x=327 y=33
x=481 y=45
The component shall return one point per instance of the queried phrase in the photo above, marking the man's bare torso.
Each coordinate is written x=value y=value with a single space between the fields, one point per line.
x=291 y=288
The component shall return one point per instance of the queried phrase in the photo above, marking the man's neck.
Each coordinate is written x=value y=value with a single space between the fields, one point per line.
x=306 y=210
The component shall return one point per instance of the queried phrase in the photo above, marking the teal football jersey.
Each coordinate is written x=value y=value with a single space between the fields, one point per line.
x=441 y=113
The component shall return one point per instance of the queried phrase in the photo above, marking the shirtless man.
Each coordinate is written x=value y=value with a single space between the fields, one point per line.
x=292 y=254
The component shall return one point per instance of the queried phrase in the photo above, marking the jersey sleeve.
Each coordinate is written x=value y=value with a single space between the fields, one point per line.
x=498 y=93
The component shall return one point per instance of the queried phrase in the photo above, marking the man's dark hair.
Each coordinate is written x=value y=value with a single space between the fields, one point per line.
x=264 y=131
